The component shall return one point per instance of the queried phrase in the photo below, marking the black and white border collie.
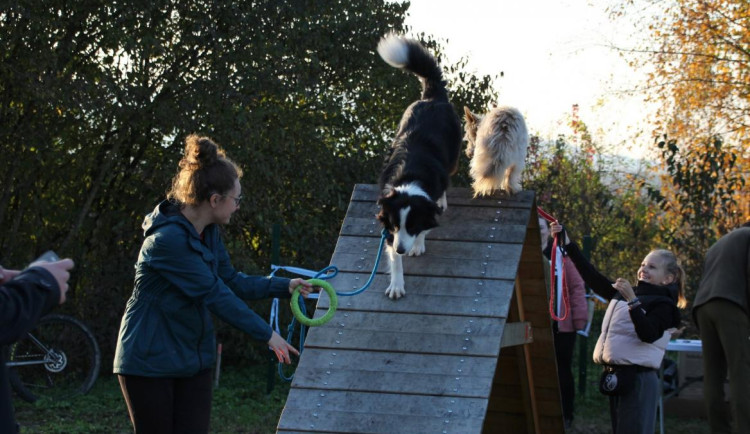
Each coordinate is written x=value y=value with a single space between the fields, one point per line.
x=422 y=157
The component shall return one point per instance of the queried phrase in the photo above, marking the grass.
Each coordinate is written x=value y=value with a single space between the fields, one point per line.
x=592 y=415
x=241 y=405
x=592 y=408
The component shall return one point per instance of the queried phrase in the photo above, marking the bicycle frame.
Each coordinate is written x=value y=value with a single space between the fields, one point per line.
x=53 y=361
x=59 y=358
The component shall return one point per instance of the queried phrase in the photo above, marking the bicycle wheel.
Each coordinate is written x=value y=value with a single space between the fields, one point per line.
x=57 y=359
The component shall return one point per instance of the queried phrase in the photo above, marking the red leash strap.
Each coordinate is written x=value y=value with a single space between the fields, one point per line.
x=545 y=215
x=553 y=274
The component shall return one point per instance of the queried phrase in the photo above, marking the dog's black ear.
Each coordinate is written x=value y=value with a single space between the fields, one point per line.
x=387 y=193
x=382 y=215
x=385 y=220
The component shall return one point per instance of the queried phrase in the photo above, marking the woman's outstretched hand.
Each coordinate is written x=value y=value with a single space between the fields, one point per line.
x=281 y=348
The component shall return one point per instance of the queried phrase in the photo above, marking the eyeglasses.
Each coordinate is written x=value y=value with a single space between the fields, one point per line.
x=236 y=199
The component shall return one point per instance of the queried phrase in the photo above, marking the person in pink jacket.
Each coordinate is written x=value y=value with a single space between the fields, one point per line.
x=573 y=316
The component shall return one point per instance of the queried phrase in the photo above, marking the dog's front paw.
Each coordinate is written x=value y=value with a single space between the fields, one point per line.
x=443 y=203
x=417 y=250
x=395 y=291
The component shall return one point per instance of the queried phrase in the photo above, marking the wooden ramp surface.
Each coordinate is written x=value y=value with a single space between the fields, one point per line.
x=432 y=361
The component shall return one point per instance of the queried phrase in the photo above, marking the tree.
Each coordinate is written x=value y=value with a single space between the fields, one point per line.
x=697 y=210
x=97 y=97
x=699 y=58
x=585 y=190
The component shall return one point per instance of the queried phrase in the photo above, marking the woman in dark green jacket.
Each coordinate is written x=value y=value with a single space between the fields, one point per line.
x=166 y=345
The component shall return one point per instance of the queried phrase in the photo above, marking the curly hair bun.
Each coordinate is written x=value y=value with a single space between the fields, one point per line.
x=204 y=170
x=200 y=152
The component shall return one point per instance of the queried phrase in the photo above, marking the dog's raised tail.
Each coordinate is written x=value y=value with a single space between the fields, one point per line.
x=410 y=55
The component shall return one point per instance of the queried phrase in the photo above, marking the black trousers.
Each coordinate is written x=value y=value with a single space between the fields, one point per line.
x=168 y=405
x=564 y=345
x=725 y=333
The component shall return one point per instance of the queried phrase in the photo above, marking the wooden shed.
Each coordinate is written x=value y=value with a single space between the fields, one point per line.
x=469 y=348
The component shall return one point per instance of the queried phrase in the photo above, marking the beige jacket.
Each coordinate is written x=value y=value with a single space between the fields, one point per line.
x=618 y=343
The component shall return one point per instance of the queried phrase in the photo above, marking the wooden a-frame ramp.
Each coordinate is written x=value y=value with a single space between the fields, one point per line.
x=468 y=349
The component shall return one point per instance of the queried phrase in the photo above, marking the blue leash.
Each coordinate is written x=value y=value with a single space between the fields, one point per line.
x=326 y=273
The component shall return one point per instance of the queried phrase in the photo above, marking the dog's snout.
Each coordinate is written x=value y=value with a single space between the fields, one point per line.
x=400 y=250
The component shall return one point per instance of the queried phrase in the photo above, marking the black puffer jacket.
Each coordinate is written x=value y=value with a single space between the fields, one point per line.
x=659 y=303
x=23 y=301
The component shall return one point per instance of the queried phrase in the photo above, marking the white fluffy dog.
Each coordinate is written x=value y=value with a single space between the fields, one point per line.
x=497 y=143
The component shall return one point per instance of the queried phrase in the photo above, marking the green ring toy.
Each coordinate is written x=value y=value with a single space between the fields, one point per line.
x=331 y=309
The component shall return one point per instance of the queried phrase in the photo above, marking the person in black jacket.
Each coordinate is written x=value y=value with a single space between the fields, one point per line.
x=635 y=331
x=721 y=310
x=25 y=296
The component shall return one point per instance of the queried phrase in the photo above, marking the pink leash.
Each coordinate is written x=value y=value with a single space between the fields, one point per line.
x=553 y=274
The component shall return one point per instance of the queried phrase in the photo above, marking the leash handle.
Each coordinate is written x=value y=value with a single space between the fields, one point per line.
x=556 y=241
x=553 y=285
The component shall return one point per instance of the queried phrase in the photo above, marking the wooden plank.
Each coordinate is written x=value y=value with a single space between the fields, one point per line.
x=415 y=374
x=425 y=295
x=526 y=370
x=540 y=354
x=312 y=410
x=535 y=303
x=549 y=394
x=456 y=196
x=552 y=424
x=550 y=408
x=460 y=223
x=517 y=333
x=540 y=319
x=409 y=333
x=545 y=376
x=507 y=404
x=505 y=423
x=442 y=258
x=368 y=210
x=533 y=274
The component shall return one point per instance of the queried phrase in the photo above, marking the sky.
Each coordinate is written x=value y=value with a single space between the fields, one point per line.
x=553 y=54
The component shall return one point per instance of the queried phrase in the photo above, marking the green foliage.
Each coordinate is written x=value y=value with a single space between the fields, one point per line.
x=705 y=182
x=97 y=97
x=700 y=185
x=587 y=193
